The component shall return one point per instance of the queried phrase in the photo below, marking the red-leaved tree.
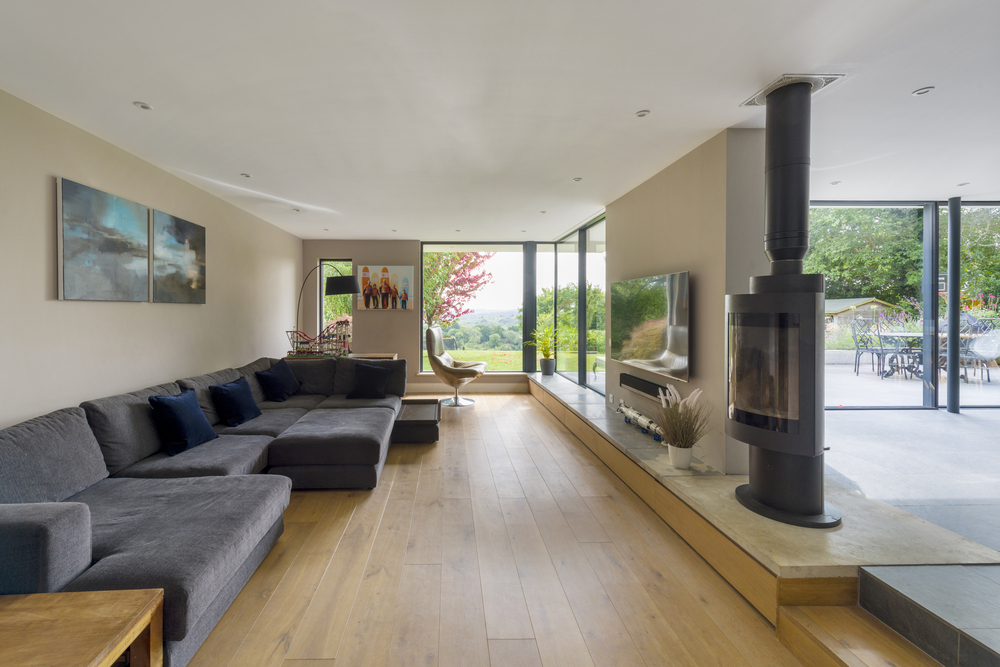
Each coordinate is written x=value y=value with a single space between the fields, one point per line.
x=451 y=280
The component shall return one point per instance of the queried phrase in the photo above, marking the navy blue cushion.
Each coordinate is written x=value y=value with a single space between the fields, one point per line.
x=278 y=381
x=369 y=381
x=180 y=422
x=234 y=401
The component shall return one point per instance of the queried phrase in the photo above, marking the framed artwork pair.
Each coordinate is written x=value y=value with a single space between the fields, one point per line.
x=113 y=249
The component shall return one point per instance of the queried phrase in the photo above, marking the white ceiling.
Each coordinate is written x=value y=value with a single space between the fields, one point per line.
x=402 y=119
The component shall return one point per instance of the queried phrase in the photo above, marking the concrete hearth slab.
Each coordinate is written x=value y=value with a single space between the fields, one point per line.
x=872 y=533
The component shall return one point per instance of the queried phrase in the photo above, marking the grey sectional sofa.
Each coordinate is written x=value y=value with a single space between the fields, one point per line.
x=88 y=501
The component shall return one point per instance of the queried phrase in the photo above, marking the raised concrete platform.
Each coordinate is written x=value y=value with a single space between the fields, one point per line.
x=770 y=563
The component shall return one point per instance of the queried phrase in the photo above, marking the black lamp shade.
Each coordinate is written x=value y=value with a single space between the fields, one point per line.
x=342 y=285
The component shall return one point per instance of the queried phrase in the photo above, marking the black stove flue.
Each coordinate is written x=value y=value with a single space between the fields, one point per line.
x=776 y=337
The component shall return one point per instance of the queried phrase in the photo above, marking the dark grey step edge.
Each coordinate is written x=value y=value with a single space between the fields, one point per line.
x=927 y=631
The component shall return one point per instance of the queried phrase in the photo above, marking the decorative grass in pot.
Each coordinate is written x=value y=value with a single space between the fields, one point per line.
x=684 y=423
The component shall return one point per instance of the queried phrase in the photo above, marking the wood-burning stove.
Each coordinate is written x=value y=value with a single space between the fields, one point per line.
x=776 y=337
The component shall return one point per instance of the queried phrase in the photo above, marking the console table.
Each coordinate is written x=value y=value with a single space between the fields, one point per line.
x=89 y=629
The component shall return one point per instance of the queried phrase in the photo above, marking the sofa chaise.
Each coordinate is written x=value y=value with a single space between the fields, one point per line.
x=90 y=501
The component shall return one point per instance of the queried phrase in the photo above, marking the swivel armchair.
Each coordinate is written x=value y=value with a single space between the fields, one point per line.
x=452 y=373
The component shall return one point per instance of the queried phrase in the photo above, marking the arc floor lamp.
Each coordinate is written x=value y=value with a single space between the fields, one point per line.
x=334 y=285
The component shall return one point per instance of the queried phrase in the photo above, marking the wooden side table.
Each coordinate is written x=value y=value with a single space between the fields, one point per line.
x=373 y=355
x=86 y=629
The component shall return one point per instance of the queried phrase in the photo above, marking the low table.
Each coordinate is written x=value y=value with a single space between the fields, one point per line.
x=418 y=421
x=91 y=628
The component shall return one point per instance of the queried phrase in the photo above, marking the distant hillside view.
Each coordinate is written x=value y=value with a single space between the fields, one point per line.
x=493 y=336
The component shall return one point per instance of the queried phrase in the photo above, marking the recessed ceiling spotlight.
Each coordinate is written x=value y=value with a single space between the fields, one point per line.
x=143 y=106
x=962 y=185
x=834 y=182
x=524 y=231
x=458 y=230
x=541 y=211
x=393 y=230
x=297 y=210
x=577 y=179
x=325 y=229
x=922 y=91
x=643 y=113
x=245 y=175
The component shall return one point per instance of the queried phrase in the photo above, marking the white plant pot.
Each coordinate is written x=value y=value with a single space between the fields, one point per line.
x=680 y=457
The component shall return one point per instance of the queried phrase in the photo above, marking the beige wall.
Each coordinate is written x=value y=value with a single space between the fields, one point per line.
x=390 y=331
x=59 y=353
x=703 y=214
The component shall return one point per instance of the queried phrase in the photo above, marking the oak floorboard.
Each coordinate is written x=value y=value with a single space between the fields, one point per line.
x=514 y=653
x=226 y=637
x=557 y=633
x=268 y=641
x=416 y=624
x=375 y=603
x=323 y=625
x=423 y=546
x=463 y=640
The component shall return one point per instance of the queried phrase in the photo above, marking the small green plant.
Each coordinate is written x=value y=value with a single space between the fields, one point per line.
x=544 y=340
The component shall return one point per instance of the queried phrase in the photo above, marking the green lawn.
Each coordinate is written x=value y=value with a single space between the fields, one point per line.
x=496 y=360
x=509 y=360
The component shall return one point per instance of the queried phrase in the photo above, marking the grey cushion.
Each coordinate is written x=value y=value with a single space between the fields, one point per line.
x=250 y=373
x=345 y=374
x=316 y=375
x=186 y=536
x=201 y=383
x=303 y=401
x=226 y=455
x=43 y=546
x=332 y=437
x=340 y=401
x=270 y=422
x=49 y=458
x=124 y=425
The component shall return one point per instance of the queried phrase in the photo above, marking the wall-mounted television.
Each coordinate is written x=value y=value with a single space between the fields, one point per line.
x=649 y=324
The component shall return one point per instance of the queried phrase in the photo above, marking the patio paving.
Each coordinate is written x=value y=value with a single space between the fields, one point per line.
x=867 y=389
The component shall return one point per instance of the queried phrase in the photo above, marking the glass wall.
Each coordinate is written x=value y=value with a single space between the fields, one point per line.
x=872 y=258
x=475 y=292
x=567 y=324
x=596 y=280
x=979 y=330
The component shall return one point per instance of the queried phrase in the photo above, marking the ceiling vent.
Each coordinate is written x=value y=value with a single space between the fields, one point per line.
x=818 y=81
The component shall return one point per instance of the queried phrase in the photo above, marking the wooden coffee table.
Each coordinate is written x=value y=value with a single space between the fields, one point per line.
x=89 y=629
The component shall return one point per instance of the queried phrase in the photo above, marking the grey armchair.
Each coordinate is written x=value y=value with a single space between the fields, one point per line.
x=452 y=373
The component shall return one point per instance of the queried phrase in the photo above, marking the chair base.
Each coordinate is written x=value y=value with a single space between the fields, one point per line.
x=457 y=401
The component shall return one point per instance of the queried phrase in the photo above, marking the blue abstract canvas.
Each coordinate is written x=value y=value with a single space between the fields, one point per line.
x=178 y=260
x=104 y=241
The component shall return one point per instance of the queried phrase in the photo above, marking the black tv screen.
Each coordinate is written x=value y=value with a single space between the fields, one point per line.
x=649 y=324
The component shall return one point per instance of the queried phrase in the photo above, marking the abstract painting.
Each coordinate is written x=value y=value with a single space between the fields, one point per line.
x=386 y=287
x=178 y=260
x=103 y=246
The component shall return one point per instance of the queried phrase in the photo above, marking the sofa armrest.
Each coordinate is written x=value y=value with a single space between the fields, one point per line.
x=43 y=546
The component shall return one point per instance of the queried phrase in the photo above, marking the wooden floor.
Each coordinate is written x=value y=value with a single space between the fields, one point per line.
x=505 y=543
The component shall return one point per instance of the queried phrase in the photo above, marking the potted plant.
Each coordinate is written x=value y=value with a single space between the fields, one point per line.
x=684 y=422
x=544 y=340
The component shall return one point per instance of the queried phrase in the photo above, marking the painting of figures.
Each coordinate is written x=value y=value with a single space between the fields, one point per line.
x=103 y=246
x=178 y=260
x=386 y=287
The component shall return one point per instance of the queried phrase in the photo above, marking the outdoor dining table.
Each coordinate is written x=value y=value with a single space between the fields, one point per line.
x=905 y=356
